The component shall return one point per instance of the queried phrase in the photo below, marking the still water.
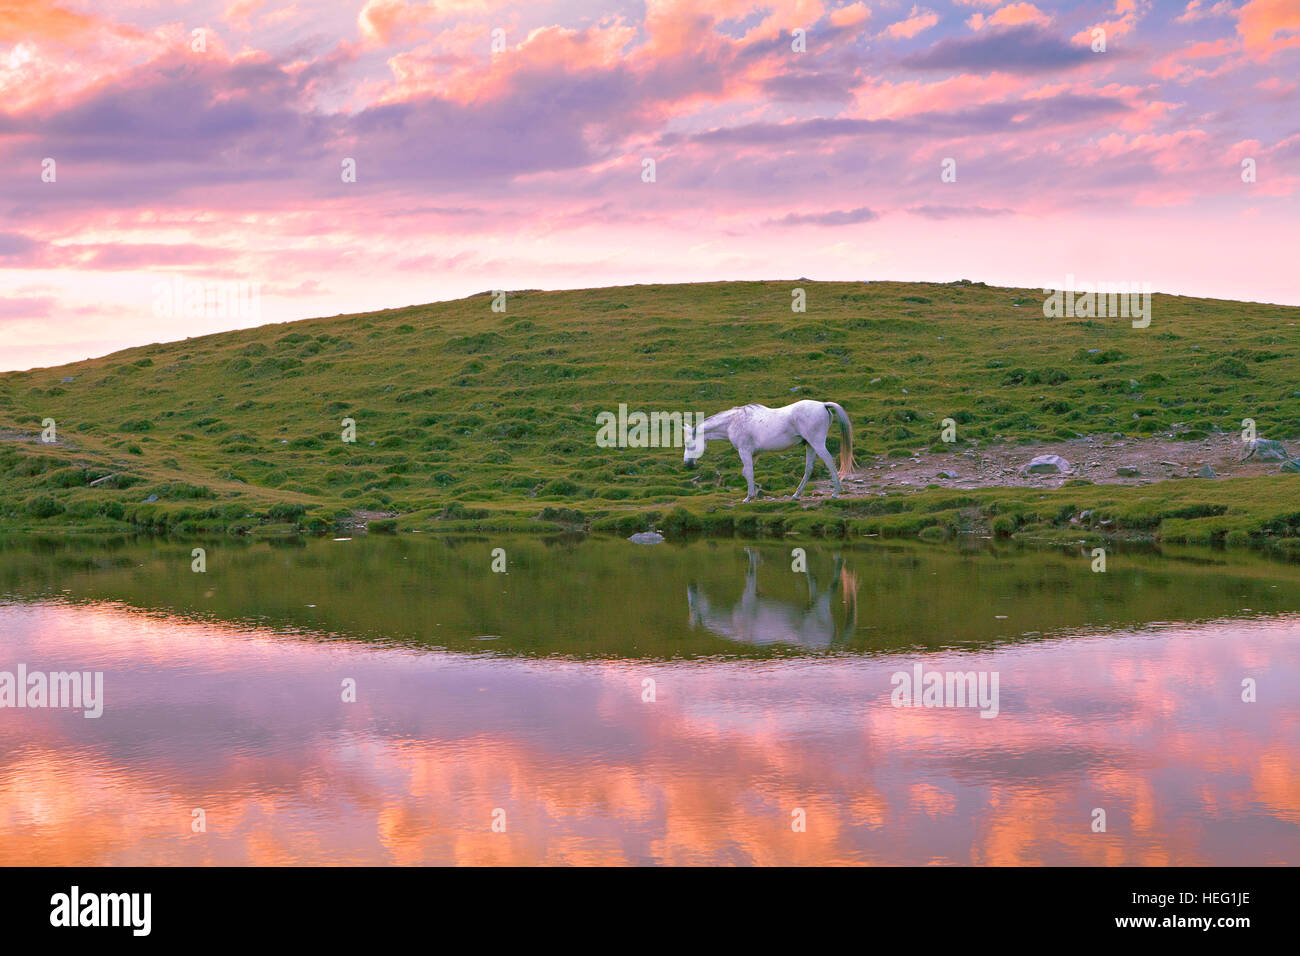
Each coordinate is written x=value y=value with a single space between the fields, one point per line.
x=609 y=703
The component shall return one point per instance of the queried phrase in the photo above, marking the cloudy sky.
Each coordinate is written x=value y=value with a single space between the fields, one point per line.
x=138 y=151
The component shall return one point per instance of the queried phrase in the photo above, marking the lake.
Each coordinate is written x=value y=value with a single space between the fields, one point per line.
x=395 y=700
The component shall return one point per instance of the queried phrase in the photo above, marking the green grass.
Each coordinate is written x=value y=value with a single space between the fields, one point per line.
x=467 y=418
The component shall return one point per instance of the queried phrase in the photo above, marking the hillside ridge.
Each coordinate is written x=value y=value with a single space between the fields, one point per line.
x=467 y=417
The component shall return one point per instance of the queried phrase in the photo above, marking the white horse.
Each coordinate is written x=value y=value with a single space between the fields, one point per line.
x=755 y=428
x=762 y=621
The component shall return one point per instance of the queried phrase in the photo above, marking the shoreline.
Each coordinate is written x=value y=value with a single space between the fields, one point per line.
x=1260 y=511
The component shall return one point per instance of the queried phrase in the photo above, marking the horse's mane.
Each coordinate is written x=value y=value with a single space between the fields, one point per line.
x=723 y=414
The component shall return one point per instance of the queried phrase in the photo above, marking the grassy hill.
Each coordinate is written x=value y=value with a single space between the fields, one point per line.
x=469 y=418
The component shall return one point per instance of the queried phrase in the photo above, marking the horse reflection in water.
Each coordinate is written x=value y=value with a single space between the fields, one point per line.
x=764 y=620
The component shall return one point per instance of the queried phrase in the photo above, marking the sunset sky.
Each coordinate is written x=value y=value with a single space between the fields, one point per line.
x=523 y=168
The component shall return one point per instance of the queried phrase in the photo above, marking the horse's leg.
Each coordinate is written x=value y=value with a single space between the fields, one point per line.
x=809 y=460
x=825 y=456
x=750 y=597
x=747 y=467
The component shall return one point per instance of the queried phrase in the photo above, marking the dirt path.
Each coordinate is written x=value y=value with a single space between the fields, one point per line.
x=1096 y=458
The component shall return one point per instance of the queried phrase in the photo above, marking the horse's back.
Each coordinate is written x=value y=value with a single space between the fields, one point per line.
x=803 y=406
x=807 y=411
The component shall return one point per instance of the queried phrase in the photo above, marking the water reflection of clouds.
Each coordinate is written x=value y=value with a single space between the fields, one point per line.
x=249 y=726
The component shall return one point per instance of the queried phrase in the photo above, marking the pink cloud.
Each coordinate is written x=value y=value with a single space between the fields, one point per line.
x=383 y=22
x=1012 y=15
x=38 y=20
x=917 y=22
x=240 y=12
x=851 y=15
x=1269 y=26
x=1199 y=10
x=1127 y=13
x=1178 y=64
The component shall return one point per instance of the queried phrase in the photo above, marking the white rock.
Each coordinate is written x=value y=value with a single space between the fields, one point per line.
x=1047 y=465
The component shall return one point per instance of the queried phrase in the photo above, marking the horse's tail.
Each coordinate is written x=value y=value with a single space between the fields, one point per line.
x=847 y=464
